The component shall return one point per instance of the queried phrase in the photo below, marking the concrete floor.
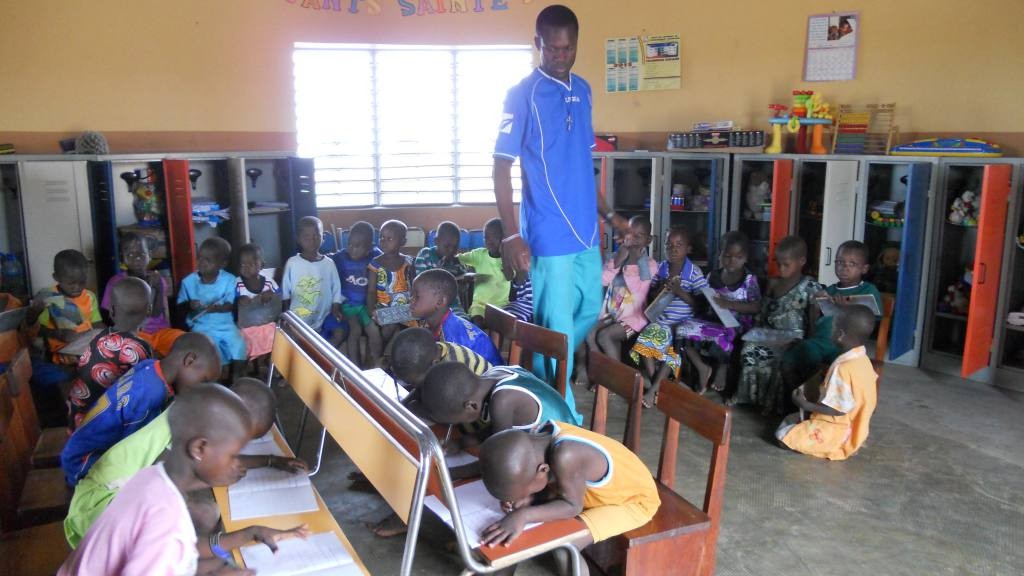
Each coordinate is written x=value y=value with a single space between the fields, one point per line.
x=938 y=489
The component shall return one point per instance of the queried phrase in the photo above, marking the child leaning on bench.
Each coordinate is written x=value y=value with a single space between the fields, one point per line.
x=562 y=471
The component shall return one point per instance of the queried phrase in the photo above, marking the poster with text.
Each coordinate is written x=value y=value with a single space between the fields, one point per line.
x=831 y=47
x=636 y=63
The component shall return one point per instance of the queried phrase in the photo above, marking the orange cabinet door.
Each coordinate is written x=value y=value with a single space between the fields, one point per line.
x=782 y=183
x=988 y=260
x=181 y=240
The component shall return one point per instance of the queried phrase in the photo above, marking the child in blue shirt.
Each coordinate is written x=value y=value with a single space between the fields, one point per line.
x=433 y=293
x=683 y=279
x=209 y=294
x=137 y=398
x=352 y=263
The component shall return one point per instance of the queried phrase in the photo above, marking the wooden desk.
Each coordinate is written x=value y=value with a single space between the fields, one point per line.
x=319 y=521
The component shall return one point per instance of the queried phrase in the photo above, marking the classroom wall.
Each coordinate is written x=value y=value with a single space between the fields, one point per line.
x=195 y=75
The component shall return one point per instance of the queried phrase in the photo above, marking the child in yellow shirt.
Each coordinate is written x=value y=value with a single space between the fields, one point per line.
x=589 y=475
x=840 y=409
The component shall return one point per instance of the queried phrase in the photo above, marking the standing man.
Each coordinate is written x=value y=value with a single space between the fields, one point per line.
x=547 y=125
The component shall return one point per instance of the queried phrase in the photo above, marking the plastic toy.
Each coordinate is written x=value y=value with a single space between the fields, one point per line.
x=957 y=299
x=148 y=205
x=808 y=110
x=964 y=210
x=886 y=271
x=962 y=147
x=888 y=214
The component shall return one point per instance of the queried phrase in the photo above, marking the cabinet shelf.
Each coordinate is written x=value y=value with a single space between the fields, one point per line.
x=269 y=212
x=951 y=316
x=685 y=211
x=1014 y=327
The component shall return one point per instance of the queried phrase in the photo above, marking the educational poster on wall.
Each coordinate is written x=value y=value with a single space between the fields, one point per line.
x=636 y=63
x=831 y=47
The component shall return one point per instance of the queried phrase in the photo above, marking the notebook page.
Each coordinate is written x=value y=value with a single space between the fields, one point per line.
x=270 y=492
x=478 y=508
x=319 y=554
x=262 y=446
x=386 y=384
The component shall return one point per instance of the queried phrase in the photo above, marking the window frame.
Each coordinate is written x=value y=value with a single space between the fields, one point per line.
x=454 y=196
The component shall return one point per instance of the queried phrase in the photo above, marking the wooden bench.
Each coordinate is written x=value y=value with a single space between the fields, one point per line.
x=531 y=339
x=681 y=539
x=397 y=453
x=46 y=443
x=28 y=496
x=501 y=325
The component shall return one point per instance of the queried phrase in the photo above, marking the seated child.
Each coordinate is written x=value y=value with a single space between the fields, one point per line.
x=258 y=310
x=147 y=528
x=506 y=396
x=736 y=290
x=841 y=407
x=583 y=473
x=683 y=279
x=414 y=351
x=627 y=276
x=817 y=351
x=432 y=295
x=118 y=465
x=520 y=298
x=310 y=285
x=786 y=305
x=113 y=351
x=135 y=259
x=490 y=285
x=136 y=398
x=390 y=283
x=59 y=315
x=209 y=298
x=352 y=265
x=443 y=254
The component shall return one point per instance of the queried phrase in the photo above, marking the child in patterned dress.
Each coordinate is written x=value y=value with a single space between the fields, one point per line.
x=786 y=306
x=627 y=275
x=683 y=279
x=736 y=290
x=113 y=351
x=390 y=284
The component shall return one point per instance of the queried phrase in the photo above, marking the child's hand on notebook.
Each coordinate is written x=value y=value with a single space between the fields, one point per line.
x=270 y=536
x=505 y=530
x=288 y=464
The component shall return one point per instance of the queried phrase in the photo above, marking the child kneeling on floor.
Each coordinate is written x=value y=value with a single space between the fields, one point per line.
x=841 y=406
x=584 y=473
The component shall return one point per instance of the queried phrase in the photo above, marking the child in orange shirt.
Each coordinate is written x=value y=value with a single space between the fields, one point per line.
x=841 y=407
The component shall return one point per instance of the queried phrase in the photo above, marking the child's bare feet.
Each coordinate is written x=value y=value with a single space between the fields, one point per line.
x=389 y=527
x=704 y=373
x=718 y=381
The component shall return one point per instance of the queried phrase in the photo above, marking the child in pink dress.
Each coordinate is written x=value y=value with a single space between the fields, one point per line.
x=627 y=275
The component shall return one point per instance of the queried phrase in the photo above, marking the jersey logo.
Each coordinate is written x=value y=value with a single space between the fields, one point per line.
x=506 y=123
x=357 y=280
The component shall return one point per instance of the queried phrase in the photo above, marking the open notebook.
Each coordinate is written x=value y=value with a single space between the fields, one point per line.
x=262 y=446
x=386 y=384
x=319 y=555
x=271 y=492
x=478 y=508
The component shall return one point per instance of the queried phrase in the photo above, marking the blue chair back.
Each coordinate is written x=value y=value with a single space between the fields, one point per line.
x=476 y=239
x=329 y=245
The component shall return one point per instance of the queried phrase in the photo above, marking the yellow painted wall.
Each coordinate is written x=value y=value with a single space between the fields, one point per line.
x=224 y=65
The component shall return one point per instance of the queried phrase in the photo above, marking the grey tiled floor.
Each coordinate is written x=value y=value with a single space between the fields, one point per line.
x=938 y=489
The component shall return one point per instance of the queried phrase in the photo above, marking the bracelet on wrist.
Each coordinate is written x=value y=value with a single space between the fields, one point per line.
x=510 y=238
x=214 y=542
